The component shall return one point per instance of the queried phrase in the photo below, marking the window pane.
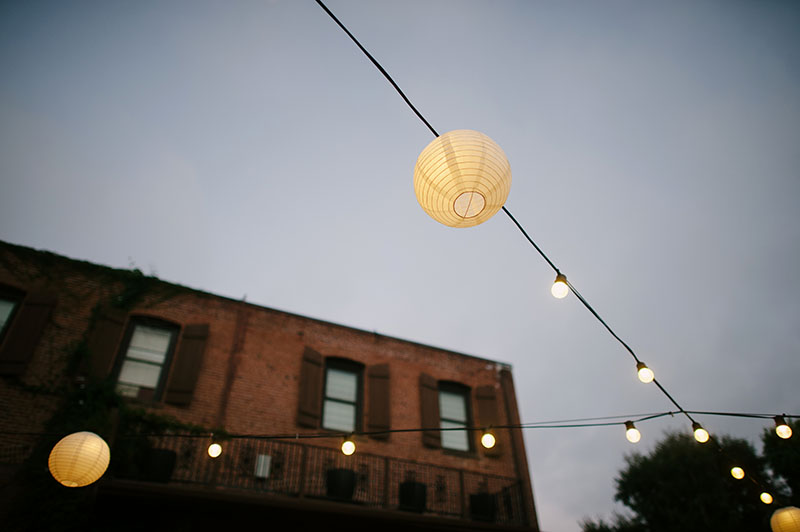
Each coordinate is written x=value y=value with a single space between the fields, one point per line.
x=149 y=343
x=6 y=307
x=452 y=406
x=454 y=439
x=339 y=416
x=341 y=384
x=139 y=373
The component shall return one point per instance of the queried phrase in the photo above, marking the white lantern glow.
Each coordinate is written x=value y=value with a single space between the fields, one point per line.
x=462 y=178
x=79 y=459
x=737 y=473
x=488 y=440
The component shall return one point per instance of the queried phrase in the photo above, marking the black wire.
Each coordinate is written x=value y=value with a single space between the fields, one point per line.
x=378 y=66
x=519 y=226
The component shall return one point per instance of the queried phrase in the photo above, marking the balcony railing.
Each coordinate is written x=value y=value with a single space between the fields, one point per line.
x=299 y=470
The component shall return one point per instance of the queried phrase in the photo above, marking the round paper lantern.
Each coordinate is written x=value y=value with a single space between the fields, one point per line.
x=462 y=178
x=785 y=520
x=79 y=459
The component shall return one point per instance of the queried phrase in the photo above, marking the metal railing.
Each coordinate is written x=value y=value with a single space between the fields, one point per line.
x=299 y=470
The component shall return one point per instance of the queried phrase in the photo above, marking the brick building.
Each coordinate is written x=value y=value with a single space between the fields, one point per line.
x=161 y=370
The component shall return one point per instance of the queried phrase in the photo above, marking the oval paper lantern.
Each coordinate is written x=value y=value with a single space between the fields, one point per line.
x=462 y=178
x=79 y=459
x=785 y=520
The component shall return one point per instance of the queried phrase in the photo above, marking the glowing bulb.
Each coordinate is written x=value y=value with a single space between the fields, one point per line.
x=783 y=430
x=488 y=440
x=214 y=450
x=348 y=447
x=632 y=433
x=560 y=288
x=766 y=498
x=645 y=374
x=737 y=473
x=700 y=434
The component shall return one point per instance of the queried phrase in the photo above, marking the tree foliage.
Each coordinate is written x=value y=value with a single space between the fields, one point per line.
x=683 y=486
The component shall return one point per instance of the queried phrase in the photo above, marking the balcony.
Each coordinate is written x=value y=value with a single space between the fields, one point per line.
x=300 y=471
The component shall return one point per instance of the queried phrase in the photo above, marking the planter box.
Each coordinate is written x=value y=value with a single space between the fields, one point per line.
x=413 y=496
x=340 y=483
x=482 y=507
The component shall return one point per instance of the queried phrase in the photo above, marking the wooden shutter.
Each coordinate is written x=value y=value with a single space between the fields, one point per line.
x=429 y=410
x=186 y=365
x=309 y=411
x=488 y=416
x=104 y=341
x=379 y=414
x=25 y=331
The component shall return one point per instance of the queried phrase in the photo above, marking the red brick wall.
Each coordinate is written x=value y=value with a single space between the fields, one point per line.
x=249 y=375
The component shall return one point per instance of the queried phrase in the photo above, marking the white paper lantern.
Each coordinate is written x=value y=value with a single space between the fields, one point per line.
x=785 y=520
x=462 y=178
x=79 y=459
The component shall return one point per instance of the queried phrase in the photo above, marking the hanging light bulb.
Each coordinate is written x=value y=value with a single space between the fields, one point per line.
x=488 y=440
x=783 y=430
x=214 y=450
x=348 y=446
x=645 y=374
x=737 y=473
x=632 y=433
x=560 y=289
x=700 y=434
x=765 y=497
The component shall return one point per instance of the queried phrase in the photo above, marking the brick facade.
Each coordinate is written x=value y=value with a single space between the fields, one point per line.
x=248 y=381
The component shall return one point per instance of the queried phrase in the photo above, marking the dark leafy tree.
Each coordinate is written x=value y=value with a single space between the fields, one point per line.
x=683 y=486
x=783 y=459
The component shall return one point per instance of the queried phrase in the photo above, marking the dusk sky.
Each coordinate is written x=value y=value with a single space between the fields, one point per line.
x=249 y=149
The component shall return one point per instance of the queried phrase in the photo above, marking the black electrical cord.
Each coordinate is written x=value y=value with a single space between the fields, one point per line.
x=379 y=67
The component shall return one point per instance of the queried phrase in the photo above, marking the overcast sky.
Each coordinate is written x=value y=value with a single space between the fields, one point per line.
x=248 y=148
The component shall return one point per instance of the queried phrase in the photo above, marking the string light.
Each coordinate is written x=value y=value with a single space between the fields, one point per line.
x=645 y=374
x=348 y=446
x=214 y=450
x=765 y=497
x=783 y=430
x=700 y=434
x=632 y=433
x=737 y=473
x=560 y=289
x=488 y=440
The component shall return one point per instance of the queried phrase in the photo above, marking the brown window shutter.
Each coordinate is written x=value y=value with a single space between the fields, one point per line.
x=486 y=397
x=379 y=417
x=26 y=330
x=429 y=407
x=104 y=341
x=186 y=364
x=309 y=412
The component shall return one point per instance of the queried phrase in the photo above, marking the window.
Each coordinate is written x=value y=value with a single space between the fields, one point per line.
x=7 y=306
x=23 y=319
x=147 y=352
x=340 y=407
x=454 y=413
x=9 y=303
